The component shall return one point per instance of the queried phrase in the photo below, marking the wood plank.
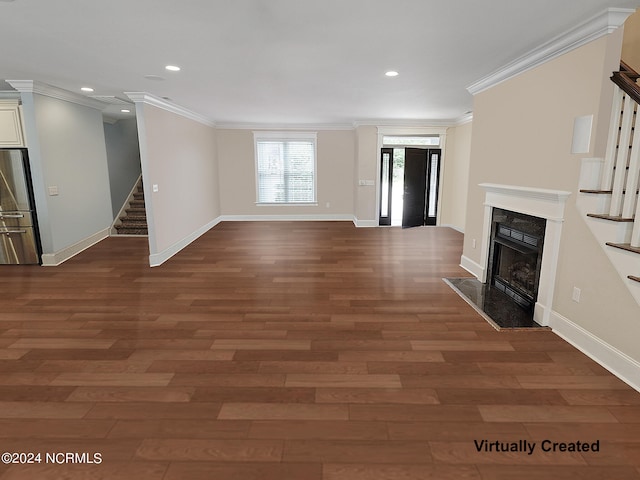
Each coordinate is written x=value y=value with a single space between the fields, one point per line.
x=289 y=350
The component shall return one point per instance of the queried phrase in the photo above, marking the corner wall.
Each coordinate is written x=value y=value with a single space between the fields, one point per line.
x=67 y=150
x=178 y=155
x=522 y=133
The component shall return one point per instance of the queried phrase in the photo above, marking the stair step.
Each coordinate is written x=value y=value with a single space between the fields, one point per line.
x=138 y=217
x=624 y=246
x=138 y=195
x=634 y=278
x=612 y=218
x=131 y=230
x=600 y=192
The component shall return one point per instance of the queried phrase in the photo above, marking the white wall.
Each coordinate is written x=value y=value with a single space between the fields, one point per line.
x=67 y=150
x=123 y=158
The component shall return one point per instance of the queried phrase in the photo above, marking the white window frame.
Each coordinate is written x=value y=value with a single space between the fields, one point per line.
x=259 y=136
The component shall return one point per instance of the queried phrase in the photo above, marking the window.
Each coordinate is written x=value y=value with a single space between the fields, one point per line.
x=411 y=141
x=285 y=167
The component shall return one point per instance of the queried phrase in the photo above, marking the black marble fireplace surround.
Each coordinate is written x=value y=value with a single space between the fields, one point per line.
x=513 y=271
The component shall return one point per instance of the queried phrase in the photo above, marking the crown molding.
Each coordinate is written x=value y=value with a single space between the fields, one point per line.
x=403 y=123
x=149 y=99
x=587 y=31
x=9 y=95
x=284 y=126
x=464 y=119
x=33 y=86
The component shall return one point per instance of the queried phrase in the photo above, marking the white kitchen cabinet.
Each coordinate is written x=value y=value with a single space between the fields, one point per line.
x=11 y=133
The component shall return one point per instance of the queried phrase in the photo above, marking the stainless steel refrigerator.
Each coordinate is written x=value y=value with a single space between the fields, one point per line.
x=19 y=241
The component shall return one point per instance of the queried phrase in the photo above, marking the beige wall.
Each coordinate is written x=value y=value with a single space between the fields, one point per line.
x=631 y=41
x=522 y=133
x=335 y=183
x=453 y=206
x=366 y=169
x=179 y=155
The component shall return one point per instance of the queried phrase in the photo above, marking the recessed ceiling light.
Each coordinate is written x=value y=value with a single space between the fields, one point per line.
x=87 y=89
x=172 y=68
x=391 y=73
x=124 y=110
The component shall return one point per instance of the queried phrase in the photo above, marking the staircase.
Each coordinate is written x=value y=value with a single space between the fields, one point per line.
x=609 y=186
x=132 y=219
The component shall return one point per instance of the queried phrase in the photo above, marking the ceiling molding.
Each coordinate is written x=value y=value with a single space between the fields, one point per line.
x=589 y=30
x=10 y=94
x=285 y=127
x=464 y=119
x=33 y=86
x=403 y=123
x=149 y=99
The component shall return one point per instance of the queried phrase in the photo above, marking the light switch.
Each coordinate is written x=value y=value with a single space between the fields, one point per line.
x=53 y=190
x=155 y=187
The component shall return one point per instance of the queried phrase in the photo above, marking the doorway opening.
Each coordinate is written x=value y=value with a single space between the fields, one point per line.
x=409 y=181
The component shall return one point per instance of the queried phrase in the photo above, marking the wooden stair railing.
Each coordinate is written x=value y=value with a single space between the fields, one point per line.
x=621 y=170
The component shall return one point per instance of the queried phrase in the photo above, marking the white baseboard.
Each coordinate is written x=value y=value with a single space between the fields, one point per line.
x=621 y=365
x=364 y=223
x=455 y=227
x=159 y=258
x=287 y=218
x=472 y=267
x=55 y=259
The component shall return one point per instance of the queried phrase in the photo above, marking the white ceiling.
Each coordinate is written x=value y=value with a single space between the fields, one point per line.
x=283 y=61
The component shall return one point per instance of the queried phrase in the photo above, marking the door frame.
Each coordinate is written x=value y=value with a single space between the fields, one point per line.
x=399 y=130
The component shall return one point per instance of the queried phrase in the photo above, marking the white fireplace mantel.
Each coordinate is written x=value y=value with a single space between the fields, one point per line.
x=537 y=202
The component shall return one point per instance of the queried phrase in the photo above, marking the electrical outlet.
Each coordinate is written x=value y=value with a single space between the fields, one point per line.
x=473 y=243
x=576 y=295
x=328 y=204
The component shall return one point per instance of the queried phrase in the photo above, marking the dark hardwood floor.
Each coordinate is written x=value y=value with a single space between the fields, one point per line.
x=282 y=351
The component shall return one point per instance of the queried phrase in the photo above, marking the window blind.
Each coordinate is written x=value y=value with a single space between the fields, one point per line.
x=285 y=170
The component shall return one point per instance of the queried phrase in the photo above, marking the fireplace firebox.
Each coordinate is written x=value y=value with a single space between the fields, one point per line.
x=515 y=256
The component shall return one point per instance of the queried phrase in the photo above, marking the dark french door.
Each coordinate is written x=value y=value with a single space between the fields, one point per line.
x=421 y=184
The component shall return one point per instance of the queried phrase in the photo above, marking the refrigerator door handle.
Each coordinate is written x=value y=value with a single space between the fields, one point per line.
x=18 y=215
x=9 y=232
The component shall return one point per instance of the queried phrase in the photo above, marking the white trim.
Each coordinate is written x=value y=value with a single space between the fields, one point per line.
x=33 y=86
x=149 y=99
x=454 y=227
x=287 y=218
x=288 y=127
x=472 y=267
x=621 y=365
x=364 y=223
x=158 y=259
x=404 y=124
x=55 y=259
x=589 y=30
x=9 y=94
x=464 y=119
